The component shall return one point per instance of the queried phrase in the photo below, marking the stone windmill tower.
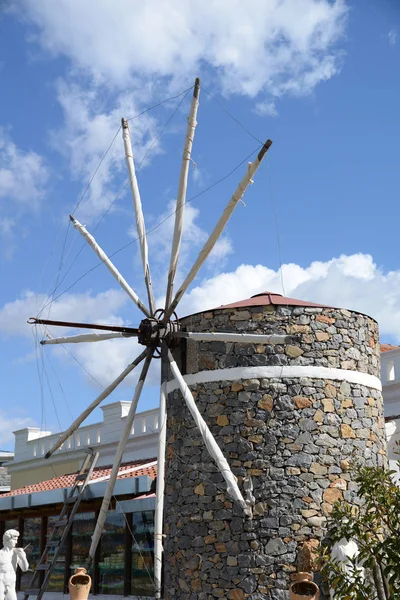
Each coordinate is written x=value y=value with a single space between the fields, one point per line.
x=288 y=418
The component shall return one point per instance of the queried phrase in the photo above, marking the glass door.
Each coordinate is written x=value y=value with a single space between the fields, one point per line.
x=57 y=577
x=82 y=531
x=111 y=566
x=31 y=544
x=143 y=554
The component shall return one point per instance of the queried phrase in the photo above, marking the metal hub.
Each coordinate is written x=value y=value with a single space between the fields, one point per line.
x=153 y=331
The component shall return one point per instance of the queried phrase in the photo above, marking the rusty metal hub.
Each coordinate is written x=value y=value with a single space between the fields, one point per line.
x=152 y=331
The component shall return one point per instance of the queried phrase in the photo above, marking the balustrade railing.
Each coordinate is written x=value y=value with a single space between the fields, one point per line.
x=90 y=435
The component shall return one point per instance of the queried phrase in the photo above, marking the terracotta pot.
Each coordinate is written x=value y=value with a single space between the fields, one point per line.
x=302 y=576
x=79 y=585
x=304 y=588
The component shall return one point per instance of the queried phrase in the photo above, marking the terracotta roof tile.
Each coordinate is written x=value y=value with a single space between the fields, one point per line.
x=65 y=481
x=388 y=347
x=266 y=298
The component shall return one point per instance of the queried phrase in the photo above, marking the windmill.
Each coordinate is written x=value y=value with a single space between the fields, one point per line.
x=158 y=332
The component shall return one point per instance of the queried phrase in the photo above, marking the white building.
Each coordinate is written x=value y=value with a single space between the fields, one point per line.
x=124 y=562
x=390 y=377
x=30 y=466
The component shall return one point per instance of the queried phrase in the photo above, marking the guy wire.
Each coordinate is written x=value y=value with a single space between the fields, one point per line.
x=156 y=226
x=137 y=170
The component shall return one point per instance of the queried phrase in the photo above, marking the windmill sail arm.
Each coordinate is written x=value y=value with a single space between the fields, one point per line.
x=181 y=197
x=158 y=517
x=128 y=331
x=110 y=266
x=209 y=440
x=137 y=204
x=104 y=394
x=118 y=457
x=218 y=229
x=84 y=337
x=252 y=338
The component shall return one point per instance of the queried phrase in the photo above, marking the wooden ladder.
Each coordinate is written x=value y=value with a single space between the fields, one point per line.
x=64 y=521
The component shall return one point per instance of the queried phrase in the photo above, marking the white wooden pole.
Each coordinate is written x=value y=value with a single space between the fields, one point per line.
x=181 y=197
x=210 y=243
x=106 y=392
x=118 y=457
x=209 y=440
x=159 y=511
x=110 y=266
x=220 y=336
x=85 y=337
x=137 y=205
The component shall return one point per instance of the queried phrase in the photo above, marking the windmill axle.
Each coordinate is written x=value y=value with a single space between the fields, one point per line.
x=152 y=332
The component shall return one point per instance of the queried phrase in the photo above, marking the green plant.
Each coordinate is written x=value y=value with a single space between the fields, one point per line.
x=374 y=524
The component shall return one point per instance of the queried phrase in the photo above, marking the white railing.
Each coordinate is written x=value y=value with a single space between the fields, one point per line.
x=89 y=435
x=147 y=423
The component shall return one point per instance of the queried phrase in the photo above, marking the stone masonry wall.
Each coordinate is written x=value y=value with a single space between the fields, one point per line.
x=5 y=477
x=295 y=438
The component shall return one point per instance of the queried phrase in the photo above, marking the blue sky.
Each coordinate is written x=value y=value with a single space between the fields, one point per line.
x=320 y=78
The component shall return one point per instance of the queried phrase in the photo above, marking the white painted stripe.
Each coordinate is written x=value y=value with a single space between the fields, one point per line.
x=285 y=372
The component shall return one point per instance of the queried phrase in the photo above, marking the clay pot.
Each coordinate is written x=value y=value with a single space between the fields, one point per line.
x=79 y=585
x=303 y=588
x=301 y=576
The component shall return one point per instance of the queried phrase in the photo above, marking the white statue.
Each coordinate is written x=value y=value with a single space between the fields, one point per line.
x=344 y=552
x=10 y=558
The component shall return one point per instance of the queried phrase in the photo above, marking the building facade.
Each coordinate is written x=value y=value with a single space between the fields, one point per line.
x=30 y=466
x=124 y=561
x=390 y=377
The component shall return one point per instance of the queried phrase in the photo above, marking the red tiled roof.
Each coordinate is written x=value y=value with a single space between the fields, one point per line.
x=266 y=298
x=388 y=347
x=65 y=481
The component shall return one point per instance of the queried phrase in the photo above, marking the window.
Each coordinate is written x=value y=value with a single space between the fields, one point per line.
x=82 y=531
x=125 y=563
x=11 y=524
x=142 y=572
x=112 y=555
x=390 y=372
x=31 y=542
x=56 y=581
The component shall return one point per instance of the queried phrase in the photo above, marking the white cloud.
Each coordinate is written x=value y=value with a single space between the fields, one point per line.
x=353 y=282
x=23 y=175
x=9 y=424
x=6 y=226
x=106 y=360
x=282 y=46
x=103 y=361
x=23 y=182
x=70 y=307
x=7 y=243
x=392 y=37
x=123 y=50
x=88 y=130
x=199 y=175
x=193 y=238
x=266 y=109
